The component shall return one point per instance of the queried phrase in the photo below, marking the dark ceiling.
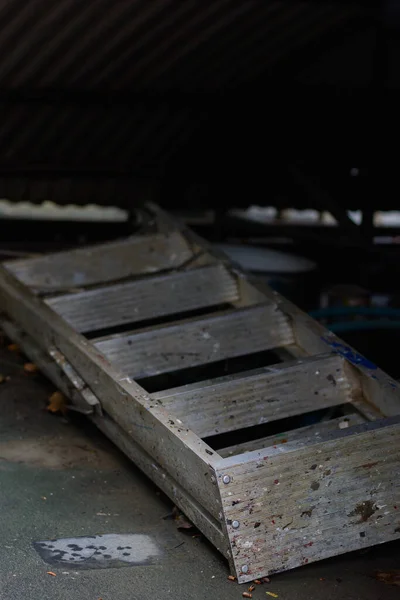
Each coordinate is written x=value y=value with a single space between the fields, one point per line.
x=116 y=101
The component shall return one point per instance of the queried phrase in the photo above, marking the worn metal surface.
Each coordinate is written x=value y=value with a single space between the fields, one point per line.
x=256 y=397
x=177 y=449
x=298 y=503
x=194 y=510
x=51 y=369
x=42 y=454
x=308 y=434
x=380 y=390
x=197 y=341
x=75 y=379
x=145 y=299
x=140 y=255
x=329 y=492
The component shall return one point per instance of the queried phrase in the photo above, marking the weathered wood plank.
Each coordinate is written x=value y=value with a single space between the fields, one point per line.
x=139 y=255
x=301 y=502
x=260 y=396
x=307 y=434
x=199 y=341
x=144 y=299
x=178 y=450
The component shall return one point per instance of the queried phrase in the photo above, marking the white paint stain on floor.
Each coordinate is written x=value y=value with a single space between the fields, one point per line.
x=101 y=551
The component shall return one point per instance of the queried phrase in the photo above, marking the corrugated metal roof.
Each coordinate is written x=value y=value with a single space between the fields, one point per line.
x=129 y=48
x=152 y=44
x=121 y=136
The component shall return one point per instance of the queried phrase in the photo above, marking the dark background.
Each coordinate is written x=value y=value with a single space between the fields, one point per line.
x=210 y=105
x=114 y=101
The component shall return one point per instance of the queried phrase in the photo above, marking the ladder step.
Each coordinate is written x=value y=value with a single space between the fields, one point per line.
x=146 y=299
x=193 y=342
x=259 y=396
x=103 y=263
x=305 y=434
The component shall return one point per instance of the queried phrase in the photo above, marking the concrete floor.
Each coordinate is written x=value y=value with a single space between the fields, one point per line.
x=64 y=479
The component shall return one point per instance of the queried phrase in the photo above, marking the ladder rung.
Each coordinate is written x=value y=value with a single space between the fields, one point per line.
x=305 y=434
x=193 y=342
x=260 y=396
x=99 y=264
x=145 y=299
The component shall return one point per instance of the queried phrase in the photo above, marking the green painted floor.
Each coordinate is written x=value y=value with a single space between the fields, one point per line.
x=61 y=479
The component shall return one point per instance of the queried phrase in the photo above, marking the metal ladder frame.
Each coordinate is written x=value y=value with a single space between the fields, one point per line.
x=266 y=506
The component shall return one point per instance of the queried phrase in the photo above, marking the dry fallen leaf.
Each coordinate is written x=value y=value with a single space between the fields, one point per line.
x=57 y=403
x=389 y=577
x=183 y=523
x=51 y=573
x=272 y=594
x=180 y=520
x=31 y=368
x=13 y=347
